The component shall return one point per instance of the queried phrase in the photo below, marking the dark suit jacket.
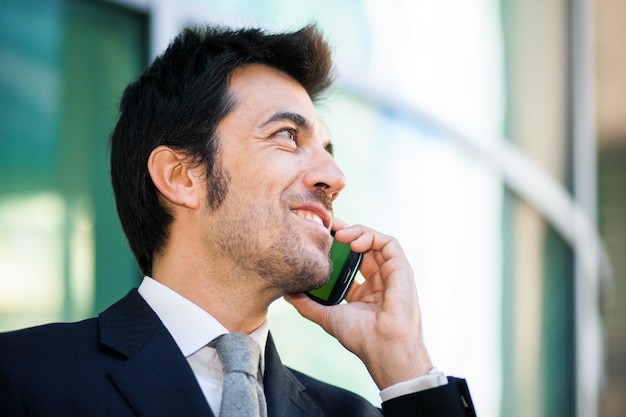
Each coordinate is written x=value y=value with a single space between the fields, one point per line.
x=125 y=363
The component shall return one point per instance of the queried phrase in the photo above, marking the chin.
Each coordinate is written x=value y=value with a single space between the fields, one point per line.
x=321 y=283
x=323 y=279
x=324 y=242
x=314 y=275
x=300 y=264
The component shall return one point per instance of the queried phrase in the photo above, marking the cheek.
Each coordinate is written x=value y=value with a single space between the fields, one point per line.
x=265 y=178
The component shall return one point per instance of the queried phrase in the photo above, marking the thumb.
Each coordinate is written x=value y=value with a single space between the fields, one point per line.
x=309 y=309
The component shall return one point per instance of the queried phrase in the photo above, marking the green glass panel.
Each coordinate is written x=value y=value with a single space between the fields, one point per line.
x=63 y=67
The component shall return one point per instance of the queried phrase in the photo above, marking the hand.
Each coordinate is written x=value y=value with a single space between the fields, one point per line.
x=381 y=322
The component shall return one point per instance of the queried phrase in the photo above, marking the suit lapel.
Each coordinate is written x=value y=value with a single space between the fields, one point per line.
x=155 y=378
x=285 y=395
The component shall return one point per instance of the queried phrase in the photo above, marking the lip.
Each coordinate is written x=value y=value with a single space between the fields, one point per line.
x=318 y=211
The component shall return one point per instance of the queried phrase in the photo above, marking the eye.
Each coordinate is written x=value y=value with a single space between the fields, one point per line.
x=289 y=134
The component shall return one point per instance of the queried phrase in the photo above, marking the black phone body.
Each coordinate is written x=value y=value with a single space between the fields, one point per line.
x=345 y=266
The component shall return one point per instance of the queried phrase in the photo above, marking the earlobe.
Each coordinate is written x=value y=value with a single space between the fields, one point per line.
x=174 y=178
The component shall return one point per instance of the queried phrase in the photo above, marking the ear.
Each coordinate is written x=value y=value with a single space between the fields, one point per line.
x=173 y=176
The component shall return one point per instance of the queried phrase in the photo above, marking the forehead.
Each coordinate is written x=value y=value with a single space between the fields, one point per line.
x=259 y=91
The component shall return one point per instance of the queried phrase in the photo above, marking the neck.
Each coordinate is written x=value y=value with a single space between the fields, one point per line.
x=236 y=298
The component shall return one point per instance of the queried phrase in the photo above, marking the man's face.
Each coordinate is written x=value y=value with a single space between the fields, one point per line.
x=276 y=217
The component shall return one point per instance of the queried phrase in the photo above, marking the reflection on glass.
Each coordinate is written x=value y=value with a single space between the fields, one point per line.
x=46 y=259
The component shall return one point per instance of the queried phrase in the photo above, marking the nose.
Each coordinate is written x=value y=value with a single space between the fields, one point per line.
x=324 y=174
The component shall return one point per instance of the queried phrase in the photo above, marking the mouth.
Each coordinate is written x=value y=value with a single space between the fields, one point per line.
x=314 y=215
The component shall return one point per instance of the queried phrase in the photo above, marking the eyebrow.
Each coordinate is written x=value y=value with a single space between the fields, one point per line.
x=301 y=123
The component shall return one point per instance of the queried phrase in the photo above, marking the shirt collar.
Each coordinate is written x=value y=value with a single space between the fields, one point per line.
x=191 y=327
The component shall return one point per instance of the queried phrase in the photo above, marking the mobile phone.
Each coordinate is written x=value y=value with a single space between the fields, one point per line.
x=345 y=265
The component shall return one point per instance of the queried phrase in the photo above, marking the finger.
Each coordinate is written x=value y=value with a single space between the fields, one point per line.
x=338 y=224
x=368 y=292
x=363 y=239
x=354 y=289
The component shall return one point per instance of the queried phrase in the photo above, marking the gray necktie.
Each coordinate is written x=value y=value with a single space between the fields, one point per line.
x=242 y=395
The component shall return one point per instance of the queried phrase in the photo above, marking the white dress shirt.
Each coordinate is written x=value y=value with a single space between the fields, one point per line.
x=192 y=329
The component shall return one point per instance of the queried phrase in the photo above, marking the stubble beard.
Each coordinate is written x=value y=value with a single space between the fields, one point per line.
x=267 y=246
x=288 y=267
x=277 y=256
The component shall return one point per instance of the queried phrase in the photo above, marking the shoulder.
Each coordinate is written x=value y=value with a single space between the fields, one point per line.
x=52 y=345
x=47 y=336
x=56 y=345
x=450 y=400
x=44 y=360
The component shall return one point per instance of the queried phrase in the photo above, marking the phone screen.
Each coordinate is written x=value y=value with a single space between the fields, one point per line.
x=345 y=265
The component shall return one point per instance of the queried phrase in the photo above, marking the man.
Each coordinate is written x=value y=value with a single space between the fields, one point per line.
x=224 y=181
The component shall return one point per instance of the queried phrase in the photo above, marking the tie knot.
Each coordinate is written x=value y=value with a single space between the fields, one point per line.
x=238 y=352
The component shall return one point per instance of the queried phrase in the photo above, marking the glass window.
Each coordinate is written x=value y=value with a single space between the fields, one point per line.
x=63 y=66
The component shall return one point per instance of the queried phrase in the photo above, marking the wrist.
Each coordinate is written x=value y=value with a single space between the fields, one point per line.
x=435 y=378
x=399 y=364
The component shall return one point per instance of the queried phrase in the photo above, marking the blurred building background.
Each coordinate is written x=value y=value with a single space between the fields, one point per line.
x=488 y=136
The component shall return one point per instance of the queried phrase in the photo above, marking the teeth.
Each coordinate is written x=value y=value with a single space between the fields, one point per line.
x=309 y=216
